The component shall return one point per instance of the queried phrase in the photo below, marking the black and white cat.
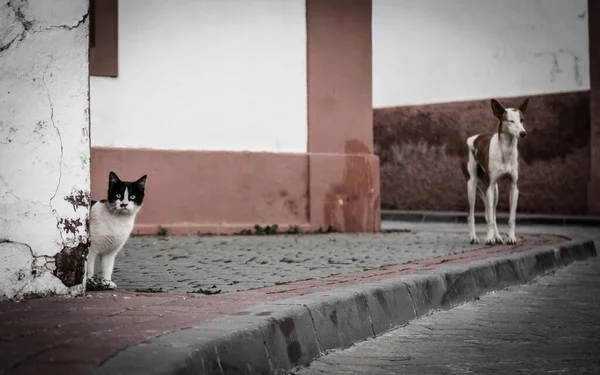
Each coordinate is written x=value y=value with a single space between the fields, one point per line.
x=111 y=223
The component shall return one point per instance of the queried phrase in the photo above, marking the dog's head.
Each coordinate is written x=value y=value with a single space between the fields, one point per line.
x=511 y=119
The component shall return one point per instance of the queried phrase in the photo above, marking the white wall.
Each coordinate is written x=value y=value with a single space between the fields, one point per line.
x=206 y=75
x=44 y=146
x=428 y=51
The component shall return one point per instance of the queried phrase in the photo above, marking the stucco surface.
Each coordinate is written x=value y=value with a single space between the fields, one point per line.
x=44 y=146
x=428 y=52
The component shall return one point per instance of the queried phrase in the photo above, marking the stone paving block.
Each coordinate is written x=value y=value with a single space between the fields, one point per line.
x=548 y=259
x=289 y=335
x=340 y=317
x=508 y=272
x=589 y=249
x=243 y=352
x=460 y=285
x=390 y=304
x=427 y=292
x=485 y=275
x=567 y=254
x=528 y=266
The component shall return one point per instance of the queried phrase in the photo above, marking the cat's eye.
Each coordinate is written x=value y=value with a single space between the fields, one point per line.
x=119 y=196
x=132 y=197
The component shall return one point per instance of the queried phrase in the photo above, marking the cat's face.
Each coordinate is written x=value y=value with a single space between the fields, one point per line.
x=124 y=197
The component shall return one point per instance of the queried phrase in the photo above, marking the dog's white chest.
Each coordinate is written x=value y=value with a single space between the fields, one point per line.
x=503 y=160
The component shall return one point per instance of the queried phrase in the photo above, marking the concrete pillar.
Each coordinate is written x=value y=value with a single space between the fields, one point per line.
x=44 y=147
x=343 y=172
x=594 y=40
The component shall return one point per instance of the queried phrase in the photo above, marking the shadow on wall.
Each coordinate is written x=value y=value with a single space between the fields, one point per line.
x=420 y=148
x=353 y=204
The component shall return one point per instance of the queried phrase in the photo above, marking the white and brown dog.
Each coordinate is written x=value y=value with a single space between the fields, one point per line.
x=492 y=158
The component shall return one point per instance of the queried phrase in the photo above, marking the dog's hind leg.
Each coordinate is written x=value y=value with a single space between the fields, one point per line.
x=484 y=200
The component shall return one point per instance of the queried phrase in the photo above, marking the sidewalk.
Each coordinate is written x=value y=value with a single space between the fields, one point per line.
x=235 y=263
x=55 y=336
x=461 y=217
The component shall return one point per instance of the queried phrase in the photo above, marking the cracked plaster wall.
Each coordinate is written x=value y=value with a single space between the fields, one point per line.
x=444 y=51
x=44 y=147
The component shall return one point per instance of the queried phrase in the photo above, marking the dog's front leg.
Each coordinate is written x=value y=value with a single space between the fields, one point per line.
x=491 y=222
x=497 y=235
x=513 y=198
x=471 y=195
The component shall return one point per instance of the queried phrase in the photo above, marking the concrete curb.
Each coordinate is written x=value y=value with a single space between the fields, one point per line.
x=276 y=337
x=461 y=218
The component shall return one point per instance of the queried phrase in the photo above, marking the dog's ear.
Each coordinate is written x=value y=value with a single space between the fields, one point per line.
x=497 y=109
x=523 y=107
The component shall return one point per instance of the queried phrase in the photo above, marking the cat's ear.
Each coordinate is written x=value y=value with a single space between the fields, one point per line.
x=141 y=182
x=113 y=178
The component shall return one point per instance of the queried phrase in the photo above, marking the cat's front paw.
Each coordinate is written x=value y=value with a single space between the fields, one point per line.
x=97 y=283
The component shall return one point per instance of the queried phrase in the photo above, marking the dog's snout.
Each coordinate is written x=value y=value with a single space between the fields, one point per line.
x=523 y=134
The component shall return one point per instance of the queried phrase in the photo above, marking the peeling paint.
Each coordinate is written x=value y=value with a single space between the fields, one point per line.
x=78 y=198
x=70 y=264
x=70 y=225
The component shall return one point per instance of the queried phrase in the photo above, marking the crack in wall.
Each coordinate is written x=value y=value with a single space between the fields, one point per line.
x=68 y=27
x=61 y=144
x=28 y=24
x=39 y=265
x=20 y=17
x=556 y=68
x=8 y=191
x=19 y=14
x=60 y=171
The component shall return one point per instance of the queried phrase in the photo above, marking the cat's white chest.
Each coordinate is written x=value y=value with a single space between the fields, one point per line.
x=108 y=231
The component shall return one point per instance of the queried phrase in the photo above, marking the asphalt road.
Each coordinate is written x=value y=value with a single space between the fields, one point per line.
x=549 y=327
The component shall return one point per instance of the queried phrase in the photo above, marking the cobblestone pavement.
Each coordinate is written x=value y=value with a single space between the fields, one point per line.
x=551 y=326
x=233 y=263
